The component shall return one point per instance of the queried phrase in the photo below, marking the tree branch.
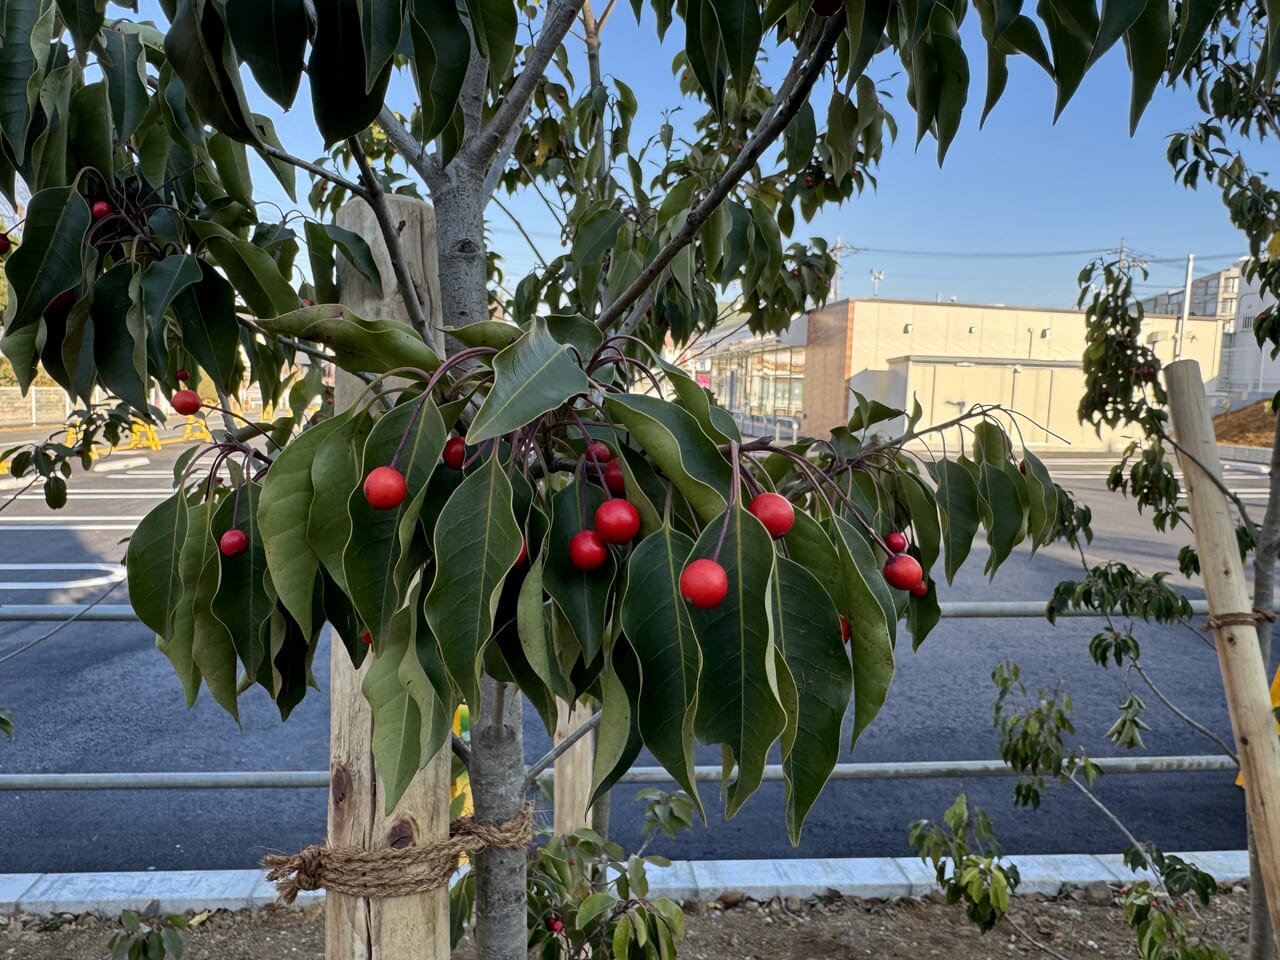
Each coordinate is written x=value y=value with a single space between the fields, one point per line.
x=504 y=155
x=461 y=750
x=480 y=152
x=804 y=73
x=391 y=236
x=402 y=142
x=1183 y=716
x=316 y=169
x=554 y=754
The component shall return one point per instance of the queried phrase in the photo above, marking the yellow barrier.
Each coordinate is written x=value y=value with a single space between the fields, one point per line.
x=196 y=429
x=143 y=437
x=460 y=804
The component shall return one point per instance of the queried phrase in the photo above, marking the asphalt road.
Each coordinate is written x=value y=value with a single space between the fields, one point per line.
x=98 y=697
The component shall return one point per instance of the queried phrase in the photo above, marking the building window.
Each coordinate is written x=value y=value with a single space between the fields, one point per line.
x=1247 y=323
x=1228 y=305
x=1231 y=285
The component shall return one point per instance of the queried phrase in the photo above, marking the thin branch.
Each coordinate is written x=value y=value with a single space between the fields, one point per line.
x=391 y=236
x=804 y=73
x=523 y=232
x=480 y=152
x=504 y=156
x=1043 y=947
x=403 y=143
x=64 y=624
x=1217 y=482
x=605 y=16
x=289 y=341
x=461 y=750
x=1119 y=825
x=228 y=421
x=316 y=169
x=535 y=770
x=1174 y=709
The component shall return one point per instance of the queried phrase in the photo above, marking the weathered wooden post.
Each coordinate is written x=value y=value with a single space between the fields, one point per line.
x=572 y=786
x=1231 y=616
x=414 y=927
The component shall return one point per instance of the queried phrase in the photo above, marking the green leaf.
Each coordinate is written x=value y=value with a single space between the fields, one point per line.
x=358 y=345
x=320 y=254
x=923 y=614
x=581 y=595
x=923 y=509
x=867 y=413
x=1042 y=501
x=953 y=70
x=592 y=239
x=413 y=435
x=241 y=602
x=493 y=22
x=342 y=108
x=206 y=312
x=957 y=496
x=335 y=472
x=672 y=437
x=800 y=138
x=618 y=741
x=477 y=541
x=1116 y=19
x=357 y=252
x=809 y=546
x=1007 y=524
x=576 y=331
x=271 y=36
x=697 y=401
x=442 y=51
x=283 y=509
x=531 y=377
x=866 y=32
x=197 y=46
x=381 y=24
x=871 y=625
x=232 y=164
x=212 y=646
x=656 y=621
x=487 y=333
x=1147 y=43
x=161 y=282
x=120 y=335
x=18 y=68
x=255 y=274
x=1194 y=20
x=1070 y=50
x=84 y=19
x=592 y=907
x=285 y=172
x=90 y=129
x=50 y=258
x=740 y=30
x=806 y=629
x=738 y=701
x=152 y=565
x=6 y=723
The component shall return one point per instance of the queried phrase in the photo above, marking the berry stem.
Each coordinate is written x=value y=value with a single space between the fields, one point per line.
x=413 y=419
x=734 y=492
x=588 y=440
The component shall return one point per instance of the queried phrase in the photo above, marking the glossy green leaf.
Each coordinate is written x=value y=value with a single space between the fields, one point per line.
x=241 y=602
x=413 y=435
x=806 y=629
x=655 y=619
x=1116 y=18
x=231 y=161
x=1147 y=43
x=582 y=595
x=487 y=333
x=808 y=545
x=672 y=437
x=953 y=70
x=283 y=510
x=696 y=400
x=155 y=584
x=358 y=345
x=923 y=614
x=1007 y=523
x=120 y=335
x=871 y=625
x=866 y=32
x=442 y=51
x=477 y=541
x=493 y=23
x=923 y=509
x=342 y=108
x=50 y=258
x=212 y=645
x=199 y=49
x=357 y=253
x=576 y=331
x=206 y=312
x=161 y=282
x=741 y=29
x=1070 y=50
x=531 y=377
x=738 y=702
x=255 y=275
x=335 y=472
x=18 y=66
x=89 y=133
x=1042 y=501
x=381 y=25
x=867 y=413
x=957 y=496
x=271 y=36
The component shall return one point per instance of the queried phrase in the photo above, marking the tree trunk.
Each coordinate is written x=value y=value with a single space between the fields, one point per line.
x=497 y=787
x=1261 y=936
x=413 y=927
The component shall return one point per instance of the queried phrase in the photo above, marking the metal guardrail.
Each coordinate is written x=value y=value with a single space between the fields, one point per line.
x=317 y=779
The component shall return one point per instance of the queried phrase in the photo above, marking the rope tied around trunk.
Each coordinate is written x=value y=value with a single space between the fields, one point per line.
x=391 y=872
x=1250 y=619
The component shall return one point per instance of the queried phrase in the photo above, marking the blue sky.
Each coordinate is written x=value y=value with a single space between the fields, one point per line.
x=1022 y=184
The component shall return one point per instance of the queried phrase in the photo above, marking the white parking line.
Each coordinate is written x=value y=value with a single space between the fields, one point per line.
x=128 y=527
x=114 y=573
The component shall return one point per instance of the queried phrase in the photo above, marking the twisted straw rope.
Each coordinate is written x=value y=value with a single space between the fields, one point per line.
x=390 y=872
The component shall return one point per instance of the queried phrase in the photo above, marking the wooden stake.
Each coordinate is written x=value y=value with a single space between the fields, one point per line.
x=572 y=785
x=1244 y=675
x=398 y=928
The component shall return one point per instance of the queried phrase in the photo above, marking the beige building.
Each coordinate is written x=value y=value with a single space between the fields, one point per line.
x=947 y=356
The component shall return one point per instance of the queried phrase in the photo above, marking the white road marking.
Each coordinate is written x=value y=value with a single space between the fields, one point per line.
x=114 y=573
x=128 y=527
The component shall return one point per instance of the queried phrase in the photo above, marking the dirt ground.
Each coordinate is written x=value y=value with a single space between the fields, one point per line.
x=1086 y=924
x=1251 y=426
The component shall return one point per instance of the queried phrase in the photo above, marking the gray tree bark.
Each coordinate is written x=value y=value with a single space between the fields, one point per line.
x=1261 y=936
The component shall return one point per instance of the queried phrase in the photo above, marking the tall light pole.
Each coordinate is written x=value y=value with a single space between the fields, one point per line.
x=876 y=277
x=1180 y=329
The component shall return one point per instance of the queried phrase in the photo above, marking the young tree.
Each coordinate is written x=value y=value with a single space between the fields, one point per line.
x=547 y=509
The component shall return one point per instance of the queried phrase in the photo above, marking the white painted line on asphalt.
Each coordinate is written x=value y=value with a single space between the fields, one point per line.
x=114 y=573
x=130 y=527
x=63 y=518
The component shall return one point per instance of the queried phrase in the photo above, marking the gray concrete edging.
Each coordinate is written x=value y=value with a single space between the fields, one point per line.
x=866 y=878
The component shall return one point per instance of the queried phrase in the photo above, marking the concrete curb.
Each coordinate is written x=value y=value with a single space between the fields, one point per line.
x=870 y=878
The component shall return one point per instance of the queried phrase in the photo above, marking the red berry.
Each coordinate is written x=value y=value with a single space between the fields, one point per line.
x=186 y=402
x=921 y=589
x=599 y=452
x=903 y=571
x=845 y=632
x=233 y=543
x=182 y=375
x=455 y=452
x=775 y=512
x=5 y=244
x=614 y=478
x=384 y=488
x=366 y=638
x=1022 y=466
x=524 y=552
x=555 y=924
x=587 y=551
x=308 y=302
x=100 y=209
x=704 y=584
x=617 y=521
x=895 y=542
x=63 y=300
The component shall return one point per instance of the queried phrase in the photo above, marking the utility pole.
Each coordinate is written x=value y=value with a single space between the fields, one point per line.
x=876 y=277
x=1180 y=330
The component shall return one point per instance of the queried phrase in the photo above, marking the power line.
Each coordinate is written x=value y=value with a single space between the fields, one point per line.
x=1024 y=255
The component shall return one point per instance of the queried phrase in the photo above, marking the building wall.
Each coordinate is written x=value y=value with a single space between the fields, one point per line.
x=1247 y=369
x=827 y=358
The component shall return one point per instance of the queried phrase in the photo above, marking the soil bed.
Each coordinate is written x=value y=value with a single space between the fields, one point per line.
x=1251 y=426
x=1087 y=924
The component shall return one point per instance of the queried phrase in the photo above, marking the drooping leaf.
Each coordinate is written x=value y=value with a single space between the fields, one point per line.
x=199 y=49
x=1007 y=515
x=271 y=36
x=923 y=509
x=161 y=281
x=357 y=253
x=1147 y=43
x=89 y=131
x=532 y=376
x=358 y=345
x=18 y=67
x=494 y=24
x=381 y=25
x=582 y=595
x=255 y=274
x=656 y=621
x=206 y=312
x=807 y=631
x=212 y=646
x=487 y=333
x=477 y=541
x=618 y=741
x=738 y=702
x=1195 y=17
x=335 y=472
x=957 y=495
x=442 y=51
x=50 y=258
x=241 y=602
x=1042 y=501
x=155 y=584
x=342 y=108
x=119 y=335
x=83 y=18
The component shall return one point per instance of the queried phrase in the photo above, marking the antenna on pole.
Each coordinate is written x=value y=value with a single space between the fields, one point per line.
x=876 y=277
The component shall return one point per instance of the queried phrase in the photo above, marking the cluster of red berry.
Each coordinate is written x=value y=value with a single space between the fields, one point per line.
x=616 y=521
